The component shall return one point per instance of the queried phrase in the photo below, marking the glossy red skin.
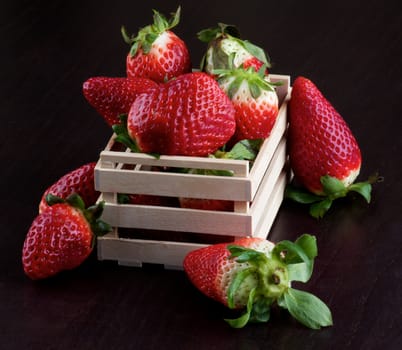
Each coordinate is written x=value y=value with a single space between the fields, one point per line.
x=320 y=141
x=189 y=115
x=153 y=200
x=161 y=63
x=206 y=204
x=80 y=181
x=209 y=268
x=59 y=239
x=113 y=96
x=254 y=121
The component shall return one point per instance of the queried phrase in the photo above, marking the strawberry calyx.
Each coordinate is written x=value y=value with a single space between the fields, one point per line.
x=270 y=277
x=92 y=213
x=241 y=150
x=234 y=78
x=148 y=34
x=221 y=31
x=332 y=189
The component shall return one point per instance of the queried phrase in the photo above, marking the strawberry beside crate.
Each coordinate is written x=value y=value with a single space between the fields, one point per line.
x=256 y=191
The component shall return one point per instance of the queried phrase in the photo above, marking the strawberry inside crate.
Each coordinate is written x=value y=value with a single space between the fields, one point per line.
x=163 y=234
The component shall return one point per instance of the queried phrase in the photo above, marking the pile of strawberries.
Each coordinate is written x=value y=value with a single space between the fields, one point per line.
x=172 y=110
x=164 y=106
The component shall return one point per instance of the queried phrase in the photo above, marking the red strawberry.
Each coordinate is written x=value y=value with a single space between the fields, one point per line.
x=114 y=96
x=80 y=181
x=156 y=52
x=206 y=204
x=226 y=50
x=61 y=237
x=253 y=273
x=254 y=99
x=324 y=154
x=189 y=115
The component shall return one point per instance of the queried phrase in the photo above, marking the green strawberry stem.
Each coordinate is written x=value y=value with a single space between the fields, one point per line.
x=272 y=277
x=147 y=35
x=92 y=213
x=242 y=150
x=333 y=189
x=221 y=31
x=122 y=135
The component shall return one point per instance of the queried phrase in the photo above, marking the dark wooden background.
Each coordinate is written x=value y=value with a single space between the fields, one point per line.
x=350 y=49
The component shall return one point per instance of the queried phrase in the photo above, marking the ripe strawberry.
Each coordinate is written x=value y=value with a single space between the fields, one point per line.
x=323 y=152
x=114 y=96
x=61 y=237
x=189 y=115
x=254 y=99
x=253 y=273
x=225 y=47
x=206 y=204
x=80 y=181
x=156 y=52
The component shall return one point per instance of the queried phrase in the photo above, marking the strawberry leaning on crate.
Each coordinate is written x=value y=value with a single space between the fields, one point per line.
x=62 y=236
x=113 y=96
x=226 y=49
x=254 y=99
x=156 y=52
x=253 y=274
x=189 y=115
x=79 y=180
x=324 y=154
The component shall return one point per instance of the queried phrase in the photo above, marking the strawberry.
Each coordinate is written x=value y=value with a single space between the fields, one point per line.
x=189 y=115
x=253 y=273
x=225 y=46
x=206 y=204
x=114 y=96
x=324 y=154
x=61 y=237
x=80 y=181
x=156 y=52
x=254 y=99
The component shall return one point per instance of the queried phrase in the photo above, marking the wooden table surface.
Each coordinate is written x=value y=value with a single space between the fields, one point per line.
x=350 y=49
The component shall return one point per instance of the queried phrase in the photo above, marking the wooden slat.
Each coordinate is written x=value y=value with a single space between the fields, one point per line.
x=268 y=148
x=173 y=184
x=268 y=183
x=271 y=207
x=177 y=219
x=136 y=251
x=239 y=167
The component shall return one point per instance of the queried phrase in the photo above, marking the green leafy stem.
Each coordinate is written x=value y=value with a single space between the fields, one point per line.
x=332 y=190
x=288 y=261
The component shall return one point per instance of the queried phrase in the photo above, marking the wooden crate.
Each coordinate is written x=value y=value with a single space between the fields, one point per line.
x=164 y=235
